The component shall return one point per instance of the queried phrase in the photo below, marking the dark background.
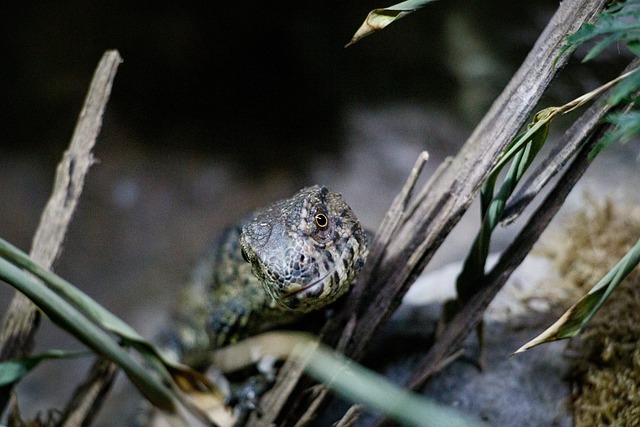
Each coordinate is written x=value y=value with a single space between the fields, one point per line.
x=252 y=83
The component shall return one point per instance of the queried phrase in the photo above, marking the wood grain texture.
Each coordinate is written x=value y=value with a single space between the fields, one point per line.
x=22 y=318
x=418 y=228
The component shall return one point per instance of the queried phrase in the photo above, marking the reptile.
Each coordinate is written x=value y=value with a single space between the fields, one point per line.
x=296 y=256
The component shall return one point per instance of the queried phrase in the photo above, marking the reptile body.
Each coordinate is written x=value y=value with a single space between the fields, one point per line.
x=296 y=256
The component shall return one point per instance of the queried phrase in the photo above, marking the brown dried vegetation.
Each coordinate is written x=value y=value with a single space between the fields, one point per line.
x=606 y=372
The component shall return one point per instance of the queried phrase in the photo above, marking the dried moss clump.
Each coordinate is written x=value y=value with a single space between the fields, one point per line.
x=606 y=373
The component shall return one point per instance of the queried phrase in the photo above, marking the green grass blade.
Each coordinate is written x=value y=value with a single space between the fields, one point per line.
x=618 y=23
x=168 y=370
x=13 y=370
x=185 y=378
x=578 y=316
x=521 y=152
x=70 y=319
x=627 y=127
x=70 y=293
x=346 y=377
x=625 y=88
x=88 y=307
x=362 y=385
x=600 y=46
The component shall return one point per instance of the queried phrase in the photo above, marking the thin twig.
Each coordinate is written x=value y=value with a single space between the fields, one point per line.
x=22 y=318
x=440 y=205
x=566 y=148
x=469 y=316
x=393 y=218
x=87 y=398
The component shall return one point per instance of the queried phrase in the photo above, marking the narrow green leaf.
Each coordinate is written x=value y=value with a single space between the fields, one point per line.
x=521 y=151
x=98 y=314
x=378 y=19
x=578 y=316
x=346 y=377
x=169 y=371
x=619 y=23
x=13 y=370
x=626 y=87
x=537 y=125
x=599 y=47
x=355 y=382
x=70 y=293
x=627 y=128
x=634 y=47
x=70 y=319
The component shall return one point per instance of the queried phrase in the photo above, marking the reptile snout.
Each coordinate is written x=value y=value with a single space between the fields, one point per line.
x=305 y=250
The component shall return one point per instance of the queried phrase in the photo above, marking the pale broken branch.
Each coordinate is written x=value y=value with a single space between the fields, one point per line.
x=22 y=318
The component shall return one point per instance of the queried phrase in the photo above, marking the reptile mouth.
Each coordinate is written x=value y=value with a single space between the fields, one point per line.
x=308 y=287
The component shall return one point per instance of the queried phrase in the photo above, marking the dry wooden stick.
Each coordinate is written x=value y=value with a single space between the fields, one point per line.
x=22 y=318
x=88 y=397
x=439 y=205
x=470 y=315
x=566 y=149
x=580 y=138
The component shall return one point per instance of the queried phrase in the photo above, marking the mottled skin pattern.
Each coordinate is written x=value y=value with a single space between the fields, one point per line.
x=296 y=256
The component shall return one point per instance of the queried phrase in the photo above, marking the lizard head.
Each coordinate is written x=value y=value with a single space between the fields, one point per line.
x=305 y=250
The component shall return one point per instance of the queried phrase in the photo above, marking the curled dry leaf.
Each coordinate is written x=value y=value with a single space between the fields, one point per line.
x=378 y=19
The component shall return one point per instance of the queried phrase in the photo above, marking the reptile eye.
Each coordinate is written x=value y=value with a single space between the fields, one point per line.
x=244 y=255
x=321 y=221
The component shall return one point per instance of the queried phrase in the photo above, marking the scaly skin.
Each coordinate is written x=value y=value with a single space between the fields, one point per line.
x=294 y=257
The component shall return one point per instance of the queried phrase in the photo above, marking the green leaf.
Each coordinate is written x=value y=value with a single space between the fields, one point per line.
x=600 y=46
x=13 y=370
x=627 y=128
x=521 y=152
x=620 y=23
x=364 y=386
x=346 y=377
x=73 y=321
x=625 y=88
x=634 y=47
x=579 y=315
x=70 y=293
x=96 y=313
x=87 y=320
x=378 y=19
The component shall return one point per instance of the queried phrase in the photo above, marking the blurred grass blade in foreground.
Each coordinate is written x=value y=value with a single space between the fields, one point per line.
x=163 y=382
x=344 y=376
x=73 y=321
x=378 y=19
x=90 y=308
